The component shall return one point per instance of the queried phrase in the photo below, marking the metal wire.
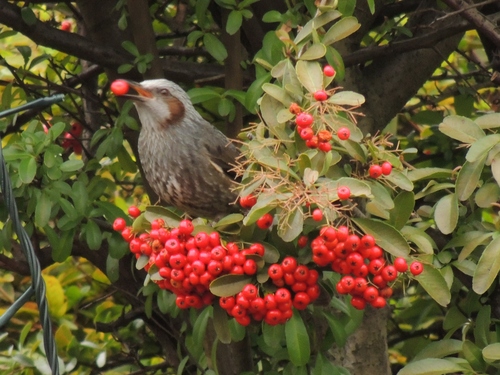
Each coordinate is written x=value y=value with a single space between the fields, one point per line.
x=38 y=284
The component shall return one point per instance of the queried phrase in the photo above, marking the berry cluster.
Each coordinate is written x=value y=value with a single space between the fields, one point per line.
x=321 y=140
x=366 y=274
x=187 y=263
x=375 y=170
x=297 y=287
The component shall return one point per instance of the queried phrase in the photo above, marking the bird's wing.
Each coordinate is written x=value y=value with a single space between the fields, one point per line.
x=222 y=153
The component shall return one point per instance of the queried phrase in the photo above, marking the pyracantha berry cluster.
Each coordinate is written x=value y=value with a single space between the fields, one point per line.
x=366 y=274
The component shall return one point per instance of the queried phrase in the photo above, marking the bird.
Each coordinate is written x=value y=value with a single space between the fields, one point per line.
x=185 y=159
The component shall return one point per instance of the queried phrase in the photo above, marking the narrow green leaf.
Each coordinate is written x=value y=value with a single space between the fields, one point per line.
x=200 y=326
x=435 y=285
x=341 y=29
x=28 y=16
x=482 y=326
x=215 y=47
x=310 y=75
x=487 y=195
x=446 y=213
x=93 y=235
x=297 y=340
x=43 y=210
x=112 y=268
x=221 y=324
x=461 y=128
x=472 y=353
x=480 y=148
x=428 y=173
x=27 y=170
x=316 y=23
x=487 y=267
x=491 y=353
x=472 y=240
x=71 y=165
x=468 y=178
x=277 y=93
x=202 y=94
x=337 y=328
x=315 y=52
x=386 y=236
x=439 y=349
x=403 y=208
x=399 y=179
x=229 y=285
x=431 y=366
x=349 y=98
x=234 y=21
x=293 y=225
x=488 y=121
x=417 y=236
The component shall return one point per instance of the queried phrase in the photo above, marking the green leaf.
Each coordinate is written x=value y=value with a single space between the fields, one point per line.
x=399 y=179
x=487 y=195
x=472 y=353
x=130 y=48
x=61 y=246
x=480 y=148
x=488 y=121
x=431 y=366
x=293 y=226
x=297 y=340
x=93 y=235
x=277 y=93
x=71 y=165
x=234 y=21
x=221 y=324
x=471 y=241
x=263 y=206
x=156 y=212
x=461 y=128
x=417 y=236
x=482 y=326
x=28 y=16
x=112 y=268
x=27 y=170
x=491 y=353
x=316 y=23
x=439 y=349
x=272 y=16
x=229 y=285
x=341 y=29
x=271 y=254
x=202 y=94
x=446 y=213
x=215 y=47
x=315 y=52
x=349 y=98
x=141 y=262
x=428 y=173
x=337 y=328
x=435 y=285
x=43 y=210
x=310 y=75
x=386 y=236
x=403 y=208
x=495 y=167
x=468 y=178
x=80 y=196
x=487 y=267
x=200 y=326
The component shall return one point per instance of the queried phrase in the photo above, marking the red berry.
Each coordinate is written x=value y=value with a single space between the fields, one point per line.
x=265 y=221
x=186 y=227
x=119 y=87
x=301 y=300
x=386 y=292
x=342 y=233
x=248 y=201
x=119 y=224
x=301 y=273
x=375 y=171
x=289 y=264
x=306 y=133
x=375 y=266
x=275 y=271
x=282 y=296
x=317 y=215
x=400 y=264
x=416 y=268
x=304 y=119
x=360 y=285
x=370 y=294
x=65 y=26
x=344 y=133
x=358 y=303
x=227 y=303
x=320 y=95
x=201 y=240
x=389 y=273
x=250 y=267
x=386 y=168
x=214 y=268
x=347 y=283
x=273 y=317
x=379 y=302
x=313 y=142
x=343 y=192
x=367 y=241
x=257 y=305
x=134 y=211
x=302 y=241
x=325 y=146
x=328 y=71
x=250 y=292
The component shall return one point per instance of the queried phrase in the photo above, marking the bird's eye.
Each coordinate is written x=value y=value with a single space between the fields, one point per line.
x=164 y=92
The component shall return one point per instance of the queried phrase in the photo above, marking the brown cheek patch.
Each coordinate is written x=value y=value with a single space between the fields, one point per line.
x=177 y=109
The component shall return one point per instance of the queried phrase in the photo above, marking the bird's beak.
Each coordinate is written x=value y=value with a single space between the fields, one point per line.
x=142 y=93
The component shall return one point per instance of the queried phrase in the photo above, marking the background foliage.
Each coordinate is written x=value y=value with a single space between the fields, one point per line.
x=428 y=77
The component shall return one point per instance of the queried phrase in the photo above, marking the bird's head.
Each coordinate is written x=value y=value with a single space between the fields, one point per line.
x=159 y=102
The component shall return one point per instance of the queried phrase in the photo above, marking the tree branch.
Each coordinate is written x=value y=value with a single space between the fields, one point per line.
x=476 y=18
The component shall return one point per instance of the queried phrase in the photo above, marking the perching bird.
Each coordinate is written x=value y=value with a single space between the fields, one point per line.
x=185 y=159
